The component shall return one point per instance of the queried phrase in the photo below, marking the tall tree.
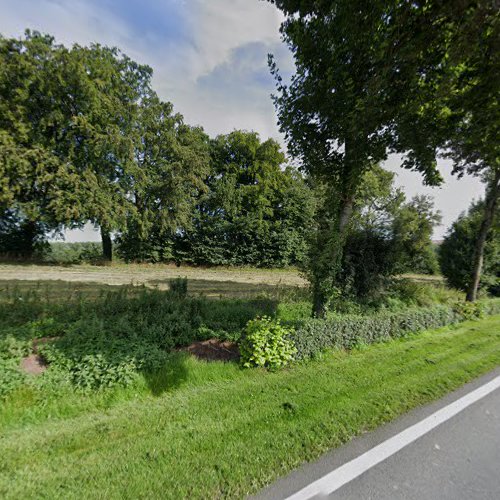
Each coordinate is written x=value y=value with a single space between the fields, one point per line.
x=65 y=132
x=457 y=251
x=389 y=236
x=254 y=211
x=103 y=89
x=353 y=72
x=33 y=175
x=474 y=144
x=457 y=102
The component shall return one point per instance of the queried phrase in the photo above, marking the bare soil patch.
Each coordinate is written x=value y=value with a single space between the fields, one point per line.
x=33 y=364
x=213 y=350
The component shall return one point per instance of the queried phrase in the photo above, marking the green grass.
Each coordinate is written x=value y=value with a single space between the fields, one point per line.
x=220 y=431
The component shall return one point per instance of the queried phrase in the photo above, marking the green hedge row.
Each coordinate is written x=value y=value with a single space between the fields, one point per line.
x=314 y=335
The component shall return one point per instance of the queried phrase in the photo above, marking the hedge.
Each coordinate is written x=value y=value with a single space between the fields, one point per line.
x=345 y=332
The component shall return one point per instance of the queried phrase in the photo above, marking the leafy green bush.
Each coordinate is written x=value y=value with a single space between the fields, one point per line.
x=469 y=310
x=91 y=360
x=345 y=332
x=266 y=343
x=109 y=340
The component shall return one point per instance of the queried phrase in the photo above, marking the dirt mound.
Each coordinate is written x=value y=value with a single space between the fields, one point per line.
x=33 y=364
x=214 y=350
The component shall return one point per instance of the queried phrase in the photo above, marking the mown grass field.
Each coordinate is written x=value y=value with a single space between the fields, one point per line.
x=213 y=282
x=221 y=431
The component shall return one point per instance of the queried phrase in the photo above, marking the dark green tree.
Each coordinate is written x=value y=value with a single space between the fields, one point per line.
x=66 y=146
x=172 y=160
x=253 y=212
x=389 y=236
x=22 y=238
x=104 y=88
x=457 y=251
x=33 y=175
x=457 y=103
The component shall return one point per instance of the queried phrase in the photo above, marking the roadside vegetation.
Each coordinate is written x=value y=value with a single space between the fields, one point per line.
x=220 y=431
x=118 y=336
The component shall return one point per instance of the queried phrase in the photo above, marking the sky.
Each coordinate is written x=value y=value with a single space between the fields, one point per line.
x=210 y=60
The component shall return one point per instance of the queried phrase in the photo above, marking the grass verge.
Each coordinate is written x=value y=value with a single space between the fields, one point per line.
x=226 y=432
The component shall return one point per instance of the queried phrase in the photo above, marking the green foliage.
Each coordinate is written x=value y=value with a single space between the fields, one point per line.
x=92 y=359
x=469 y=310
x=339 y=109
x=388 y=236
x=345 y=332
x=74 y=253
x=457 y=251
x=10 y=376
x=269 y=423
x=12 y=349
x=179 y=287
x=21 y=238
x=265 y=343
x=114 y=339
x=64 y=123
x=253 y=211
x=172 y=161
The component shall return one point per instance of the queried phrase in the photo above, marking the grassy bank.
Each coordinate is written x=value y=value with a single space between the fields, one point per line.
x=220 y=431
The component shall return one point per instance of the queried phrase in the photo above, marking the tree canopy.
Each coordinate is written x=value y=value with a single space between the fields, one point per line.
x=386 y=76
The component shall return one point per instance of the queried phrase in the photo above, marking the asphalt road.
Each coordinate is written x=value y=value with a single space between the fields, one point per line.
x=458 y=459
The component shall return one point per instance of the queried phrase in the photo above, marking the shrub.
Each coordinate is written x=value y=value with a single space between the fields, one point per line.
x=345 y=332
x=10 y=376
x=179 y=287
x=74 y=253
x=266 y=343
x=91 y=360
x=469 y=310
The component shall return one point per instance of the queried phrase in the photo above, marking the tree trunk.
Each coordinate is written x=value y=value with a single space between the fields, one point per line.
x=492 y=194
x=320 y=298
x=107 y=245
x=30 y=233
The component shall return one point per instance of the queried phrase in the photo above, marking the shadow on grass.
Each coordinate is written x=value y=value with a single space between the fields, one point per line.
x=229 y=289
x=170 y=376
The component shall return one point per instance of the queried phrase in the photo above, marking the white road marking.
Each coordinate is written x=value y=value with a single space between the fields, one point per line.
x=351 y=470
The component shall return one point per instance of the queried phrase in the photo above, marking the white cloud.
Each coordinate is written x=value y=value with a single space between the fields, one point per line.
x=220 y=26
x=76 y=21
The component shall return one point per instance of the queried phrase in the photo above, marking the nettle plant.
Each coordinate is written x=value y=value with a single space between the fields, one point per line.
x=266 y=343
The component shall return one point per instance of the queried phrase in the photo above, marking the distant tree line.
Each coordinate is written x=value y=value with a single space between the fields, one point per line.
x=84 y=138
